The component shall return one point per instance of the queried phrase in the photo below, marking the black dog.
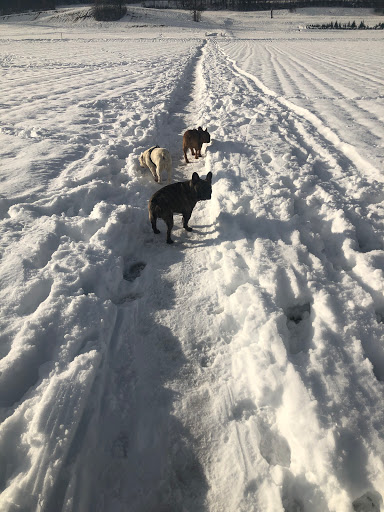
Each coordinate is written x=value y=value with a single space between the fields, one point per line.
x=181 y=198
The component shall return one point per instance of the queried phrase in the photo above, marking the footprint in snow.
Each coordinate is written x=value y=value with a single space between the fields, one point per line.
x=120 y=447
x=207 y=361
x=243 y=410
x=134 y=271
x=367 y=240
x=299 y=326
x=127 y=292
x=380 y=316
x=370 y=502
x=267 y=159
x=273 y=447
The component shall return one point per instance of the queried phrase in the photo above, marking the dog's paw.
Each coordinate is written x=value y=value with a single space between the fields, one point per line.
x=188 y=228
x=156 y=231
x=169 y=241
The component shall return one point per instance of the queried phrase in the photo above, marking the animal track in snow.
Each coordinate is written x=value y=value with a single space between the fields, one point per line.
x=295 y=489
x=267 y=159
x=251 y=487
x=126 y=299
x=134 y=271
x=380 y=316
x=274 y=447
x=120 y=447
x=368 y=241
x=243 y=410
x=207 y=360
x=128 y=290
x=299 y=327
x=369 y=502
x=300 y=154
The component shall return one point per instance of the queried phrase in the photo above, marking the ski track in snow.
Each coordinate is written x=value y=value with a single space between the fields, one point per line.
x=240 y=369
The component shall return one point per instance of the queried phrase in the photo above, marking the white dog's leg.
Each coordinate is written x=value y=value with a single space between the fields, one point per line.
x=153 y=169
x=158 y=170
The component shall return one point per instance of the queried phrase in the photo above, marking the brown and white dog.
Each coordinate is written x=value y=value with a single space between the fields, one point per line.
x=194 y=140
x=157 y=160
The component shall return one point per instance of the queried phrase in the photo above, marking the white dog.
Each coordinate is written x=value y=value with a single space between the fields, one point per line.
x=158 y=160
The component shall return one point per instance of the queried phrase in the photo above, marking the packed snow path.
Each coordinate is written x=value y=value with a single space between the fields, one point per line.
x=240 y=369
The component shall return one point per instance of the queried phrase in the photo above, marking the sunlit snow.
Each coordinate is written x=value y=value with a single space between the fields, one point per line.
x=240 y=369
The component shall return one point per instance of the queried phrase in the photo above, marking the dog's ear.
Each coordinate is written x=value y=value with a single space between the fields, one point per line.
x=200 y=129
x=195 y=177
x=209 y=177
x=206 y=129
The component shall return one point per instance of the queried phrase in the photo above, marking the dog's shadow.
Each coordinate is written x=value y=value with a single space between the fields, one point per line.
x=184 y=239
x=196 y=228
x=227 y=146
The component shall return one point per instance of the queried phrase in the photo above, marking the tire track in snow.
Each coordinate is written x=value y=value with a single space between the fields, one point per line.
x=360 y=239
x=304 y=297
x=214 y=336
x=349 y=111
x=363 y=120
x=336 y=188
x=343 y=65
x=346 y=149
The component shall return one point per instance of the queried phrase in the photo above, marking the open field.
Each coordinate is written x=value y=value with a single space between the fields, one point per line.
x=240 y=369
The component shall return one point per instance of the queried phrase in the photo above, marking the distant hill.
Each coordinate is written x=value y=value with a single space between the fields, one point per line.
x=12 y=6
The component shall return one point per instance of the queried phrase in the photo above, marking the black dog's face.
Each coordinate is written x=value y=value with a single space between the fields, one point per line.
x=203 y=188
x=204 y=135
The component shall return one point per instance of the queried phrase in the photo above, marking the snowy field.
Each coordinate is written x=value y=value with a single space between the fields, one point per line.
x=242 y=368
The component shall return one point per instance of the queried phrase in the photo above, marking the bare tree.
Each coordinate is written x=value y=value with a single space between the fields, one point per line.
x=196 y=7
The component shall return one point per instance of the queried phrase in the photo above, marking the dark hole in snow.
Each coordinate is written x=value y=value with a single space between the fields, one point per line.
x=134 y=271
x=243 y=409
x=380 y=316
x=369 y=502
x=297 y=314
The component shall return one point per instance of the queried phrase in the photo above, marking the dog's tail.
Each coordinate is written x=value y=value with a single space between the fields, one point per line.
x=154 y=211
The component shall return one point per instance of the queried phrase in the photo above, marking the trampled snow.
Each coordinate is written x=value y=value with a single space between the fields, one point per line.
x=241 y=368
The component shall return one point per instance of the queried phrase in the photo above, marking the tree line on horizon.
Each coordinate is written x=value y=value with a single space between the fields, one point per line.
x=18 y=6
x=346 y=26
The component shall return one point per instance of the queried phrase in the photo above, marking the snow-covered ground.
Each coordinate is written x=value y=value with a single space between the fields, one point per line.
x=242 y=368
